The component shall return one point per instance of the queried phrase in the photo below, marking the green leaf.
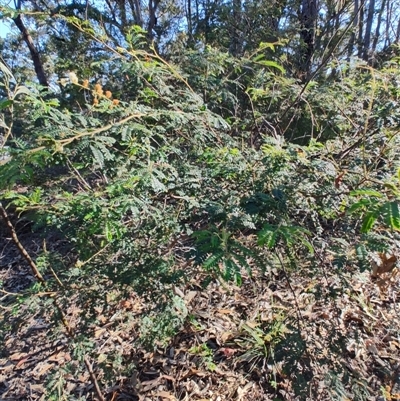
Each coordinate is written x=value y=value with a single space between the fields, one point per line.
x=269 y=63
x=307 y=244
x=268 y=236
x=213 y=260
x=22 y=90
x=361 y=204
x=108 y=231
x=266 y=45
x=366 y=192
x=232 y=270
x=5 y=103
x=391 y=214
x=6 y=70
x=362 y=257
x=368 y=221
x=97 y=155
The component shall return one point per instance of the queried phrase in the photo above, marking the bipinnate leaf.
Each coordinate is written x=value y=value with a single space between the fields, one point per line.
x=368 y=221
x=268 y=236
x=5 y=70
x=391 y=214
x=366 y=192
x=213 y=260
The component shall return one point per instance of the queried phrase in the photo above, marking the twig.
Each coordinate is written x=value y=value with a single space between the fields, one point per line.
x=20 y=247
x=70 y=331
x=51 y=269
x=298 y=314
x=93 y=379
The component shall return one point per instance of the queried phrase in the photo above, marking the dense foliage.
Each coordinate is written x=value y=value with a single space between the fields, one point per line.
x=142 y=165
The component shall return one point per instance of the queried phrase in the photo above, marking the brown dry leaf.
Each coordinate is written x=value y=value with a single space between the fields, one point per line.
x=226 y=335
x=190 y=296
x=339 y=179
x=382 y=263
x=17 y=356
x=21 y=362
x=179 y=292
x=165 y=395
x=228 y=352
x=125 y=304
x=60 y=357
x=193 y=372
x=102 y=319
x=371 y=347
x=226 y=311
x=43 y=368
x=243 y=391
x=150 y=384
x=98 y=332
x=252 y=325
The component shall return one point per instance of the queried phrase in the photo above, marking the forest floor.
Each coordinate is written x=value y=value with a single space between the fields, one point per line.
x=318 y=335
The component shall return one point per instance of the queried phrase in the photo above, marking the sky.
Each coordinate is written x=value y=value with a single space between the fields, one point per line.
x=4 y=29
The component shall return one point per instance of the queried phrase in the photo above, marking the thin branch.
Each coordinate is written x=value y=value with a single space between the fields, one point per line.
x=20 y=247
x=93 y=379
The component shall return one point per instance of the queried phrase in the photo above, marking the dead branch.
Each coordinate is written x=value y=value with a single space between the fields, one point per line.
x=20 y=247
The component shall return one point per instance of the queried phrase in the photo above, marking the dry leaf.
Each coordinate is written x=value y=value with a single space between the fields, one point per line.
x=228 y=352
x=17 y=356
x=382 y=263
x=98 y=332
x=166 y=395
x=339 y=179
x=45 y=367
x=190 y=295
x=126 y=304
x=21 y=362
x=226 y=311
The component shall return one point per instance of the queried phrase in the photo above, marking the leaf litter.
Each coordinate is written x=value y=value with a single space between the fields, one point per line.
x=332 y=336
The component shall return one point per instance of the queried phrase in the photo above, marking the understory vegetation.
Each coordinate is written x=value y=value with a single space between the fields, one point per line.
x=175 y=220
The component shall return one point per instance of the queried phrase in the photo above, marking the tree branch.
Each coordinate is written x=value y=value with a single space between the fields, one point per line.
x=20 y=247
x=41 y=76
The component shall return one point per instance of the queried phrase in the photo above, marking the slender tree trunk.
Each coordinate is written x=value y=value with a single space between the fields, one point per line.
x=189 y=20
x=360 y=30
x=39 y=70
x=388 y=19
x=153 y=5
x=197 y=14
x=352 y=41
x=308 y=22
x=138 y=13
x=122 y=12
x=368 y=30
x=235 y=45
x=378 y=26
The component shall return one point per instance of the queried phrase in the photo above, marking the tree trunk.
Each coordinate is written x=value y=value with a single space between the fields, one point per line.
x=360 y=30
x=378 y=26
x=235 y=43
x=138 y=14
x=189 y=20
x=352 y=41
x=368 y=30
x=39 y=70
x=308 y=21
x=153 y=4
